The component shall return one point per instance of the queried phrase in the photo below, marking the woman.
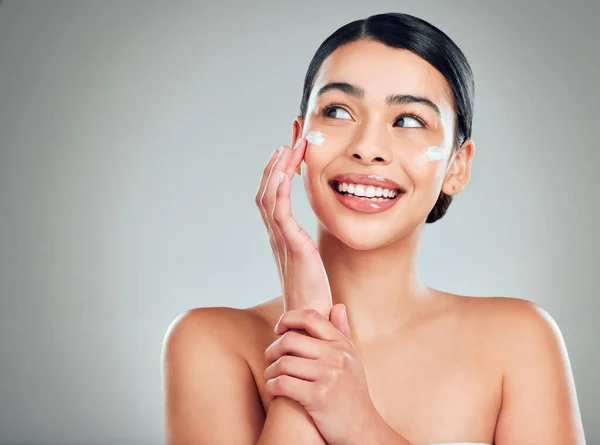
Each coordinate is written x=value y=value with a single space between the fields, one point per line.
x=358 y=350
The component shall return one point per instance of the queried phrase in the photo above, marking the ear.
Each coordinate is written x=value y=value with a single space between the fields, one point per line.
x=459 y=170
x=297 y=133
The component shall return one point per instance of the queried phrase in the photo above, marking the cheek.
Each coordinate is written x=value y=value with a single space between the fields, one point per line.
x=315 y=138
x=322 y=149
x=427 y=166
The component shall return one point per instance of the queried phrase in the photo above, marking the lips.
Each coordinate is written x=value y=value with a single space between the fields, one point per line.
x=360 y=204
x=366 y=179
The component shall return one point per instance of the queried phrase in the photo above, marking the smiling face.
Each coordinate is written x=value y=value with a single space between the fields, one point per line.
x=379 y=118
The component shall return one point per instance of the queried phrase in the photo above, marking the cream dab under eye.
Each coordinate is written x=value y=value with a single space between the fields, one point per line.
x=315 y=137
x=435 y=154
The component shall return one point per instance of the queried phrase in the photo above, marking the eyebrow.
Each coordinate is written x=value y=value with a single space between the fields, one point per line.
x=392 y=99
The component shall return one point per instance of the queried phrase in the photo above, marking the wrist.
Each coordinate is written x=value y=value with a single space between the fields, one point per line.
x=322 y=307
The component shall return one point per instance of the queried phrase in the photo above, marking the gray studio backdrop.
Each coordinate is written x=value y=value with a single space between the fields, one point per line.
x=132 y=139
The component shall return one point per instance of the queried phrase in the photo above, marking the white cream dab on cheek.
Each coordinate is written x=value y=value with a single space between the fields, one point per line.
x=435 y=154
x=315 y=137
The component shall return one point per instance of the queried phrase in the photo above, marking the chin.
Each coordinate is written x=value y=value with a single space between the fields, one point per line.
x=365 y=233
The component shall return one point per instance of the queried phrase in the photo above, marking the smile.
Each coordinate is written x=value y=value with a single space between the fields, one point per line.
x=366 y=198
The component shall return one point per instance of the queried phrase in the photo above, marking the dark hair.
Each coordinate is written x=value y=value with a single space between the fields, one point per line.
x=404 y=31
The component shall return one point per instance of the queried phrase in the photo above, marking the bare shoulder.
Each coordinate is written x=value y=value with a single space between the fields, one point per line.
x=226 y=330
x=512 y=317
x=513 y=323
x=539 y=399
x=205 y=372
x=227 y=326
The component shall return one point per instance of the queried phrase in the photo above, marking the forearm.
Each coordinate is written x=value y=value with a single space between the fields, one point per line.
x=288 y=422
x=378 y=432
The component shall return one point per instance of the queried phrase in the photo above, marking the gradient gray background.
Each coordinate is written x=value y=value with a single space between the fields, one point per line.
x=132 y=139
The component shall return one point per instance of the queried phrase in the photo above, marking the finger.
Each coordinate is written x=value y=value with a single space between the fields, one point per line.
x=283 y=218
x=268 y=200
x=297 y=156
x=339 y=318
x=280 y=164
x=261 y=191
x=263 y=213
x=315 y=324
x=292 y=387
x=297 y=344
x=263 y=181
x=299 y=367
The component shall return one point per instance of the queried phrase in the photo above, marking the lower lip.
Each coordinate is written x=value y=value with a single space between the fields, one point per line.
x=364 y=205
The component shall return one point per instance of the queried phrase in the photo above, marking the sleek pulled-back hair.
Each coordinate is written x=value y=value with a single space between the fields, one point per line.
x=404 y=31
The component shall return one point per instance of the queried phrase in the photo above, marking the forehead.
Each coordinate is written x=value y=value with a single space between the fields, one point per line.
x=382 y=70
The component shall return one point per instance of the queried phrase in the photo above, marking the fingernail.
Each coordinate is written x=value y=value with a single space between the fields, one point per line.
x=272 y=154
x=281 y=175
x=281 y=150
x=298 y=142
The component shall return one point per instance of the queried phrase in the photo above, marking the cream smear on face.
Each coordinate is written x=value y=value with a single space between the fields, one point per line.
x=315 y=137
x=434 y=154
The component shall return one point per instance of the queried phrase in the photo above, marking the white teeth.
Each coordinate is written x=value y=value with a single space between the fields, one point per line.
x=367 y=191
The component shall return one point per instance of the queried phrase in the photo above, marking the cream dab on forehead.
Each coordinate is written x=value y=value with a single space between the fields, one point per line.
x=315 y=137
x=433 y=154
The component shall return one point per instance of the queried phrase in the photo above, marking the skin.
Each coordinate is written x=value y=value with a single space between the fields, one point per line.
x=424 y=366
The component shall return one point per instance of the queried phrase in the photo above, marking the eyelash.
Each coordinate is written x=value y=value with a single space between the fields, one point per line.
x=326 y=108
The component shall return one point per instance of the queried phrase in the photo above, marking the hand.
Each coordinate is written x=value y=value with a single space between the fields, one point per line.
x=301 y=271
x=322 y=372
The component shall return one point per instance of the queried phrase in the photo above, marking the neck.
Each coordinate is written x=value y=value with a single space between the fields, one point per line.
x=381 y=288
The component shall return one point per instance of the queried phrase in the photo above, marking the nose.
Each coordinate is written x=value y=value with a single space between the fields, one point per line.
x=370 y=149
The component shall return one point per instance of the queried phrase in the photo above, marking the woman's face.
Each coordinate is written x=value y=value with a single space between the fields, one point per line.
x=384 y=113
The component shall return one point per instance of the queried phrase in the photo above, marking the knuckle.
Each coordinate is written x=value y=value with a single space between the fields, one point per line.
x=320 y=394
x=339 y=360
x=312 y=314
x=287 y=339
x=280 y=382
x=283 y=364
x=278 y=217
x=264 y=200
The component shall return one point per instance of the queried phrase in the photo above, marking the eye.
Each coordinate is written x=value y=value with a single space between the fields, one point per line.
x=336 y=113
x=409 y=122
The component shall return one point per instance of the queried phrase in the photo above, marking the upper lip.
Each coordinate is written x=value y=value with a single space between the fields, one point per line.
x=366 y=179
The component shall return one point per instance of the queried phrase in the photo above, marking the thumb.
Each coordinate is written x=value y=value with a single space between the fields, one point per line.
x=339 y=318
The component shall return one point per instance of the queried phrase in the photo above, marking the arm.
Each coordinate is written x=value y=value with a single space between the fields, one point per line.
x=539 y=402
x=209 y=392
x=210 y=395
x=288 y=423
